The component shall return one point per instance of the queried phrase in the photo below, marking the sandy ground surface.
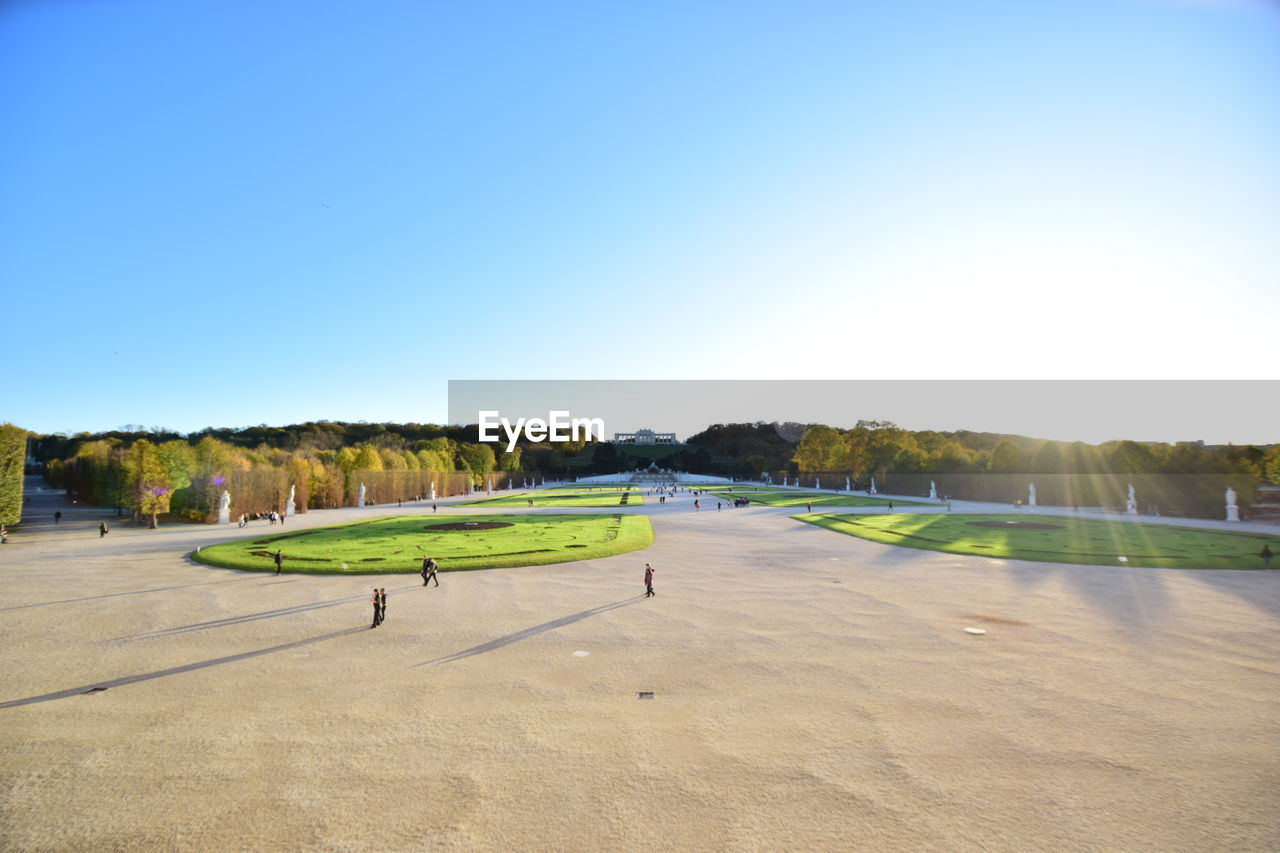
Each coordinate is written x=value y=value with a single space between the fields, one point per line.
x=811 y=691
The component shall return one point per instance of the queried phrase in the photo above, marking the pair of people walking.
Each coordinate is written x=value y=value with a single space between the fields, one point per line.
x=379 y=606
x=429 y=571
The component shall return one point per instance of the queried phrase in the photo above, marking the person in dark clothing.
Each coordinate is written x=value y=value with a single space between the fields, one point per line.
x=648 y=581
x=1266 y=556
x=431 y=573
x=279 y=558
x=102 y=529
x=377 y=609
x=433 y=507
x=57 y=516
x=382 y=605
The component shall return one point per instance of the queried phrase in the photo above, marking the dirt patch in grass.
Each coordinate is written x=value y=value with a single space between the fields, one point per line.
x=271 y=539
x=1017 y=525
x=469 y=525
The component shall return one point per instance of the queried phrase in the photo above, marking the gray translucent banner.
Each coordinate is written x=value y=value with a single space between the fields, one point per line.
x=1216 y=412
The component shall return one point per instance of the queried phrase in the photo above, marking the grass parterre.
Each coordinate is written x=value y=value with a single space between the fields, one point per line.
x=1059 y=539
x=456 y=542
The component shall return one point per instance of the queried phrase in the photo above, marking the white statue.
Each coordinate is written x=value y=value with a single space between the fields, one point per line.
x=1031 y=494
x=848 y=487
x=784 y=479
x=1132 y=505
x=224 y=507
x=360 y=497
x=933 y=490
x=291 y=508
x=1233 y=511
x=433 y=490
x=872 y=490
x=817 y=483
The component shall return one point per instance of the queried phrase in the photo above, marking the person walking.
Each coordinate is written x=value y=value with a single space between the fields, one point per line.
x=57 y=516
x=382 y=605
x=1266 y=556
x=890 y=506
x=429 y=571
x=433 y=507
x=102 y=529
x=377 y=610
x=648 y=581
x=279 y=558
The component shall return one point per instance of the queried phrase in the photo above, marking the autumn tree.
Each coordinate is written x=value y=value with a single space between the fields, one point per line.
x=13 y=454
x=148 y=481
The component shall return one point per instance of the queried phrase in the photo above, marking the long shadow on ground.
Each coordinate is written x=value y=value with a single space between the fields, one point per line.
x=253 y=617
x=130 y=592
x=528 y=632
x=174 y=670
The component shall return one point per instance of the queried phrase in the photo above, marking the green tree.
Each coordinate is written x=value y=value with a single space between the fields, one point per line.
x=1271 y=465
x=179 y=462
x=1133 y=457
x=13 y=454
x=820 y=449
x=509 y=461
x=1006 y=457
x=1048 y=459
x=479 y=460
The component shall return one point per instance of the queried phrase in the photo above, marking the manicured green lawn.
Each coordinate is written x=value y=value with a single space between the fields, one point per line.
x=785 y=497
x=564 y=496
x=391 y=545
x=1062 y=539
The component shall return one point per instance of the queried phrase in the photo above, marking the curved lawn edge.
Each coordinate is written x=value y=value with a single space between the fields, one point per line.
x=634 y=534
x=1158 y=540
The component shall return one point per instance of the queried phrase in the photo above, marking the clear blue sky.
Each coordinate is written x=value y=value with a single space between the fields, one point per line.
x=229 y=213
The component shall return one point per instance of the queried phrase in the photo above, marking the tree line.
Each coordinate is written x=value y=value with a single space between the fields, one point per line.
x=186 y=477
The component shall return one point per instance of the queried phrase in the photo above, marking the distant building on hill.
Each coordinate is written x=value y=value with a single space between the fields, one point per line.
x=644 y=436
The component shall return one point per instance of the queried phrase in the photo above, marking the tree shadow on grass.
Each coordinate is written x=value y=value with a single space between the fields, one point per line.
x=98 y=686
x=529 y=632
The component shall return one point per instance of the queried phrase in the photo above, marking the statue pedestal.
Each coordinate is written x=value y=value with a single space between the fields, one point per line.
x=224 y=515
x=1233 y=512
x=290 y=508
x=1133 y=508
